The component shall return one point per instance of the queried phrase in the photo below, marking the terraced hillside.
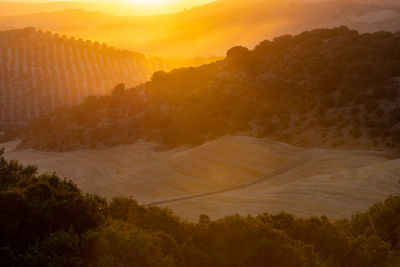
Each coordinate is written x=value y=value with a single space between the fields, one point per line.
x=40 y=71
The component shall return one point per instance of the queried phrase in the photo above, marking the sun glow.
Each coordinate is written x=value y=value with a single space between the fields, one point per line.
x=149 y=2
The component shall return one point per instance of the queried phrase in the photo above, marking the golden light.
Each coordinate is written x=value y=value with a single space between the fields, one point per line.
x=149 y=2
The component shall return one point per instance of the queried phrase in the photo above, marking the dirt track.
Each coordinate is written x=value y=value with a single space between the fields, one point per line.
x=277 y=172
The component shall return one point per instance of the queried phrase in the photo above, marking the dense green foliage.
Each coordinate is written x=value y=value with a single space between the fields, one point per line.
x=32 y=206
x=47 y=221
x=328 y=86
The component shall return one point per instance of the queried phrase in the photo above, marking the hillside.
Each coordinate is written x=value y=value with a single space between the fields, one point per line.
x=324 y=88
x=40 y=71
x=213 y=28
x=229 y=175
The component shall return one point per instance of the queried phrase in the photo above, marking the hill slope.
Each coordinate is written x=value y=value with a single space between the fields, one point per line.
x=229 y=175
x=40 y=71
x=320 y=88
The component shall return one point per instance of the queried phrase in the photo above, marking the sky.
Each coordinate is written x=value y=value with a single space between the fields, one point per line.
x=139 y=7
x=148 y=3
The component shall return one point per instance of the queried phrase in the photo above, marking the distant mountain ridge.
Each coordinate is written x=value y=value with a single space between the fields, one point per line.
x=40 y=71
x=24 y=7
x=213 y=28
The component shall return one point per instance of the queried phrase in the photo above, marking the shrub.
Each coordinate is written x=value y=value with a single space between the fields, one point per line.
x=379 y=92
x=370 y=106
x=34 y=205
x=122 y=244
x=356 y=133
x=355 y=111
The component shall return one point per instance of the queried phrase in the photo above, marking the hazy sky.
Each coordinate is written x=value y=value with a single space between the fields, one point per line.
x=125 y=7
x=136 y=6
x=188 y=3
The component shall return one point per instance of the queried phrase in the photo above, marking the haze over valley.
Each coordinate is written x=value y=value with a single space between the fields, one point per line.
x=200 y=133
x=210 y=29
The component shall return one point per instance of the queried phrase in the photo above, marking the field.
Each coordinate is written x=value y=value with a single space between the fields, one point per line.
x=229 y=175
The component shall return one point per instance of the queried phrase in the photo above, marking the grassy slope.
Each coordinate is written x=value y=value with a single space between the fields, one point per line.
x=300 y=181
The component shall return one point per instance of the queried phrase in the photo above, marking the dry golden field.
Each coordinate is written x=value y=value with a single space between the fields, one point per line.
x=230 y=175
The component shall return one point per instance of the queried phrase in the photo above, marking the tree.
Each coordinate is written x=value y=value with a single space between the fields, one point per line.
x=238 y=56
x=32 y=206
x=62 y=249
x=119 y=89
x=122 y=244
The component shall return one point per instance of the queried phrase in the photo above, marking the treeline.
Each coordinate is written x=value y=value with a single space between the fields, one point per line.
x=42 y=70
x=48 y=221
x=326 y=86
